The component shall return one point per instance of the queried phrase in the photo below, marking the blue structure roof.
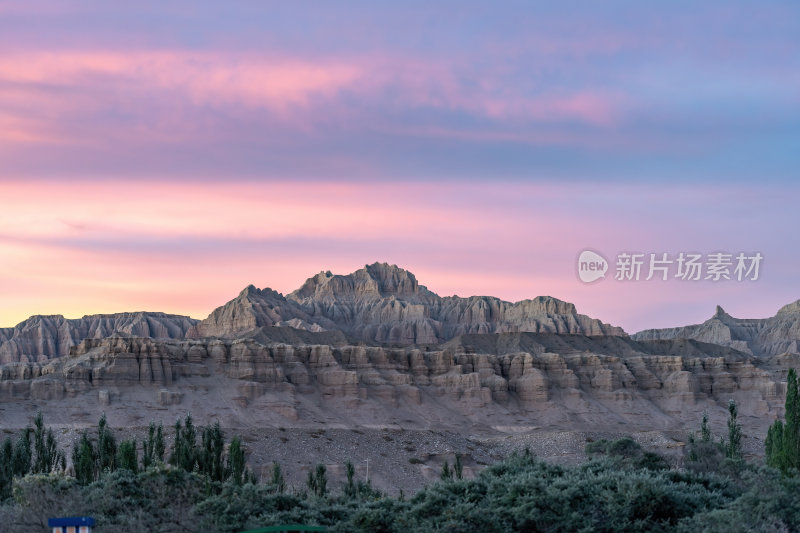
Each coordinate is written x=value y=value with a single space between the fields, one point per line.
x=70 y=521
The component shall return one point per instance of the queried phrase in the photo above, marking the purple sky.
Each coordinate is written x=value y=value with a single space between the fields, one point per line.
x=163 y=156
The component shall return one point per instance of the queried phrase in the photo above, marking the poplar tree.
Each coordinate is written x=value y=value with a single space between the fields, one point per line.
x=211 y=462
x=127 y=456
x=277 y=478
x=733 y=447
x=21 y=459
x=84 y=460
x=782 y=445
x=236 y=462
x=47 y=455
x=148 y=452
x=106 y=447
x=447 y=473
x=6 y=468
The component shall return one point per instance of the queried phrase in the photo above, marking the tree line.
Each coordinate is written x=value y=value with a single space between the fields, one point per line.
x=203 y=450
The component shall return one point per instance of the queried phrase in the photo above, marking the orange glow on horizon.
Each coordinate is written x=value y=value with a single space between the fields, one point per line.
x=84 y=247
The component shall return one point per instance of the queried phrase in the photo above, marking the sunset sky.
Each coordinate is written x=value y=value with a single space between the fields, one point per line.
x=162 y=156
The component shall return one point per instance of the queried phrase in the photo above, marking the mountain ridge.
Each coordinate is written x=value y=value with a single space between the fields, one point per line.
x=385 y=303
x=43 y=337
x=757 y=336
x=344 y=352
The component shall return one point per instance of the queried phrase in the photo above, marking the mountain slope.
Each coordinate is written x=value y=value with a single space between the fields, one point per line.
x=761 y=336
x=44 y=337
x=384 y=303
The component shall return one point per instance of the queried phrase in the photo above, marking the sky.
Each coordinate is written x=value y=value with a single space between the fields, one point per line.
x=162 y=156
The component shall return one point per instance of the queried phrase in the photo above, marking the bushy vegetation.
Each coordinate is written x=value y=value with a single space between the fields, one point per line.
x=628 y=453
x=205 y=486
x=520 y=493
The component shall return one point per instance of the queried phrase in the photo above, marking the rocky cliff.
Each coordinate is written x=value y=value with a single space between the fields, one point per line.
x=487 y=380
x=762 y=336
x=378 y=303
x=44 y=337
x=255 y=308
x=384 y=303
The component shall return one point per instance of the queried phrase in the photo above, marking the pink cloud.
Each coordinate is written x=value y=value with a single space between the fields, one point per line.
x=50 y=94
x=241 y=210
x=16 y=129
x=205 y=77
x=586 y=107
x=448 y=85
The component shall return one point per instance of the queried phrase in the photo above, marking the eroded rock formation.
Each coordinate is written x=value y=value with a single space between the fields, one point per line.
x=44 y=337
x=384 y=303
x=761 y=336
x=544 y=379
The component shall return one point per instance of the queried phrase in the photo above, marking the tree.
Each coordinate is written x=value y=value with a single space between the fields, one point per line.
x=84 y=460
x=733 y=447
x=705 y=431
x=184 y=451
x=277 y=478
x=127 y=456
x=782 y=445
x=158 y=446
x=106 y=447
x=704 y=454
x=177 y=445
x=190 y=456
x=236 y=462
x=211 y=462
x=791 y=429
x=322 y=480
x=447 y=473
x=21 y=461
x=350 y=487
x=41 y=461
x=458 y=468
x=311 y=482
x=148 y=447
x=773 y=446
x=6 y=468
x=47 y=455
x=317 y=481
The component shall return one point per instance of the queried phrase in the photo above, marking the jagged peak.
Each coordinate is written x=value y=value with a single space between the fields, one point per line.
x=37 y=319
x=392 y=279
x=252 y=290
x=379 y=270
x=720 y=313
x=790 y=309
x=377 y=279
x=550 y=305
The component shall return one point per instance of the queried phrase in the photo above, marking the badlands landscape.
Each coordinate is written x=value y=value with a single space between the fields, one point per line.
x=375 y=368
